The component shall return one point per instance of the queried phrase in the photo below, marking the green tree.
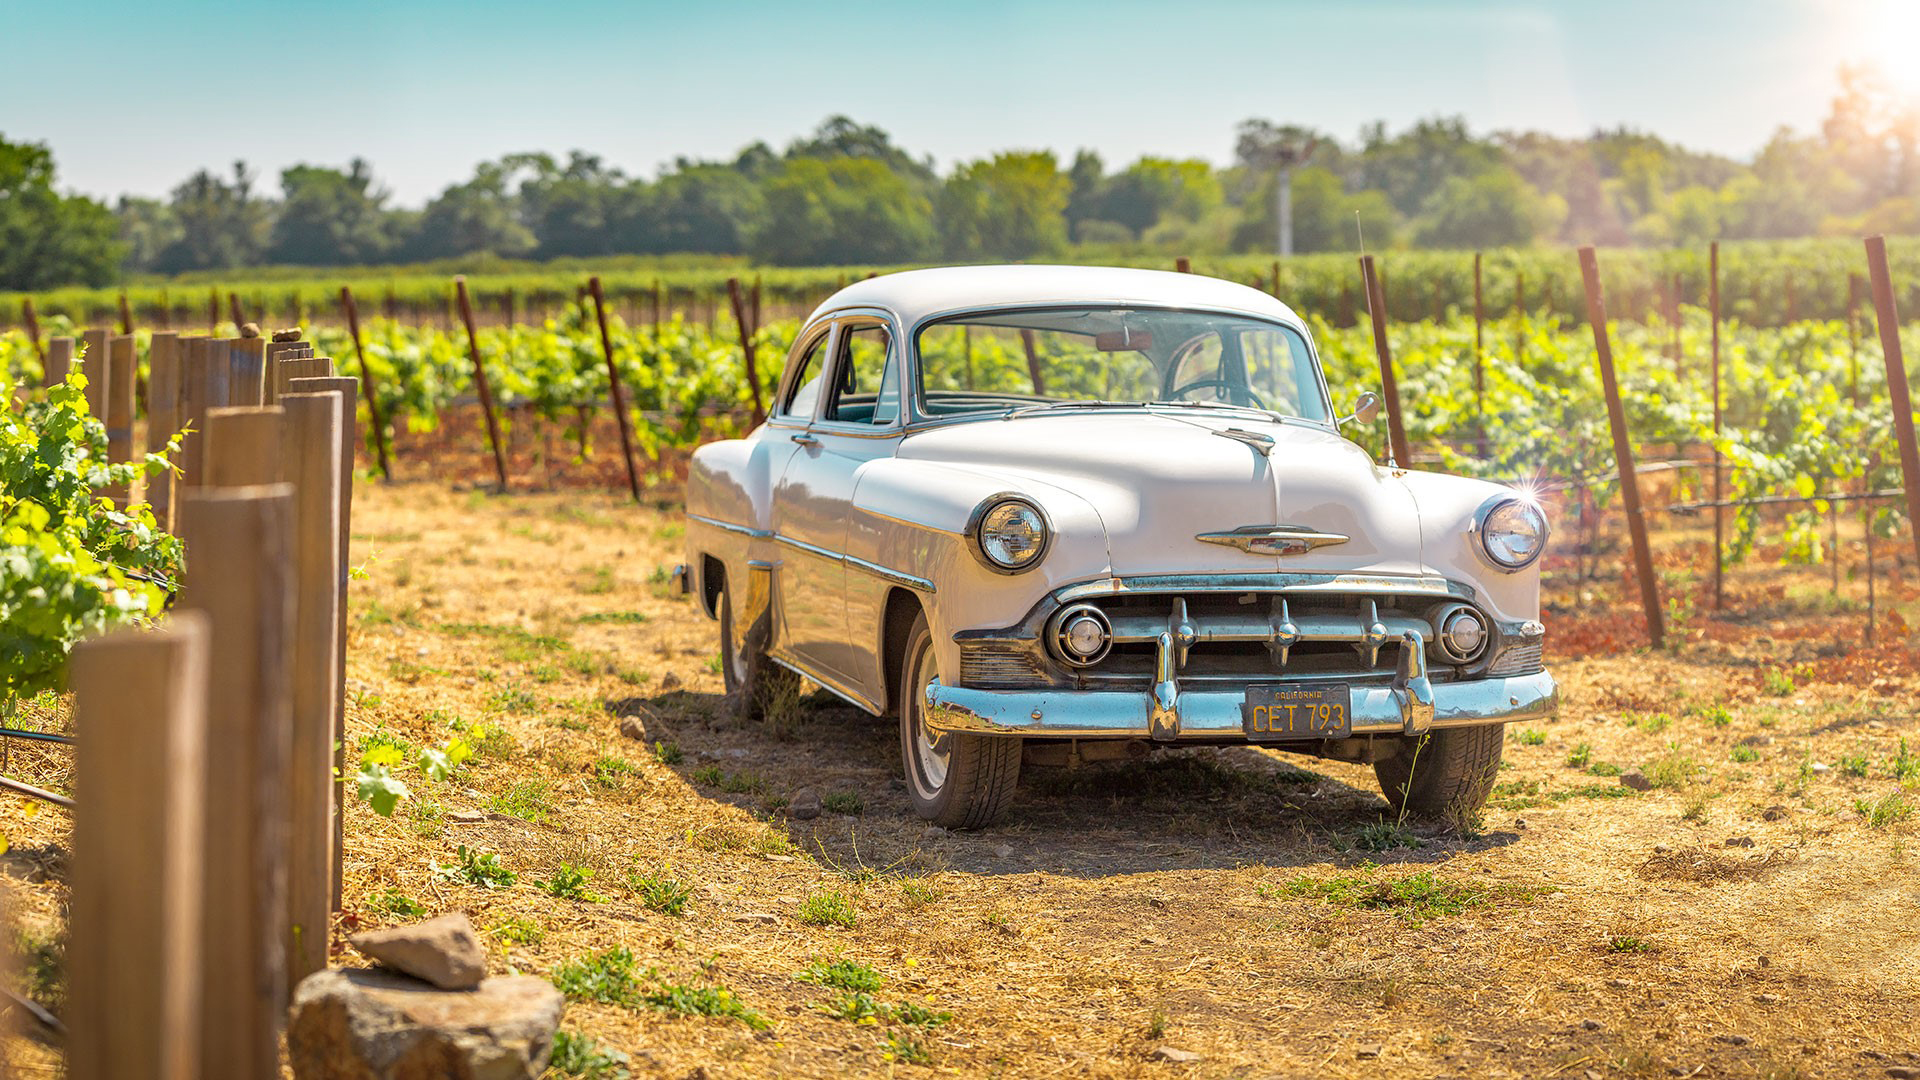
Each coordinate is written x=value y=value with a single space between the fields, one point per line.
x=1493 y=209
x=480 y=215
x=147 y=228
x=49 y=239
x=1324 y=216
x=704 y=207
x=329 y=217
x=1010 y=206
x=822 y=211
x=222 y=225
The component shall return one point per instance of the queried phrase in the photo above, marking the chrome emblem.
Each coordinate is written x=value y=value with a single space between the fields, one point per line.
x=1274 y=539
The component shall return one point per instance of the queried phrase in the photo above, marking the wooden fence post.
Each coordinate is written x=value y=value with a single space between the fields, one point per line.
x=194 y=396
x=310 y=461
x=121 y=366
x=1719 y=468
x=241 y=536
x=1887 y=315
x=58 y=362
x=1622 y=450
x=1397 y=447
x=349 y=440
x=163 y=411
x=219 y=372
x=32 y=320
x=247 y=365
x=613 y=383
x=302 y=367
x=1479 y=357
x=243 y=446
x=367 y=388
x=94 y=365
x=740 y=319
x=480 y=383
x=126 y=315
x=1182 y=265
x=133 y=953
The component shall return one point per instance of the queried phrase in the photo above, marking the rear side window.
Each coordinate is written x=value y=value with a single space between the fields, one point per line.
x=804 y=397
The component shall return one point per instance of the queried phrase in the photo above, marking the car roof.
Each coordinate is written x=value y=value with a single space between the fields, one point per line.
x=914 y=295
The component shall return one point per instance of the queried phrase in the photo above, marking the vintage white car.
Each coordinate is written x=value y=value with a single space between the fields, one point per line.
x=1065 y=514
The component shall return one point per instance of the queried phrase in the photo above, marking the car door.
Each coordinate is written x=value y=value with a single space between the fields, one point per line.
x=858 y=420
x=793 y=413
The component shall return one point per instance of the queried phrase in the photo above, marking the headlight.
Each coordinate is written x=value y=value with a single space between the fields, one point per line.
x=1011 y=534
x=1513 y=533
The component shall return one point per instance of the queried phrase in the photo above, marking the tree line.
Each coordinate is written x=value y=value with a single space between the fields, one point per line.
x=847 y=194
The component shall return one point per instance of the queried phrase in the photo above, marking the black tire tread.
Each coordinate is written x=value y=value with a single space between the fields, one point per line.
x=983 y=773
x=1452 y=776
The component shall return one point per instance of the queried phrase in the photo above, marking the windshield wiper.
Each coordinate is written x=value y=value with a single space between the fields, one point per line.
x=1088 y=403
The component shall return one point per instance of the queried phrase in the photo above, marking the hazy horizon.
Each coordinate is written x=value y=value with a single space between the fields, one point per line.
x=423 y=91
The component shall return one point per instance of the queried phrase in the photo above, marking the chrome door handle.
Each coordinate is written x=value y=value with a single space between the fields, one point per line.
x=806 y=440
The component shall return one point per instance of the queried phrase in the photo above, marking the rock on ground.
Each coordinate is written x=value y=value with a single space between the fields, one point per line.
x=805 y=805
x=443 y=950
x=366 y=1024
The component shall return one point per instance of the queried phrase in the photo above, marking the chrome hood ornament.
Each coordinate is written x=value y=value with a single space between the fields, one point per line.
x=1274 y=539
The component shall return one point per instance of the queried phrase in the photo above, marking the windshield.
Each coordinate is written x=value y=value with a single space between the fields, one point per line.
x=995 y=361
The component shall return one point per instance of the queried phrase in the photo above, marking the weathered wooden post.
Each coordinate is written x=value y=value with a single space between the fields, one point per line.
x=31 y=319
x=163 y=410
x=95 y=366
x=300 y=367
x=1622 y=450
x=121 y=366
x=480 y=383
x=310 y=461
x=349 y=440
x=1183 y=265
x=1479 y=356
x=1887 y=314
x=613 y=383
x=367 y=388
x=1401 y=454
x=240 y=536
x=1713 y=373
x=747 y=329
x=133 y=953
x=247 y=365
x=58 y=361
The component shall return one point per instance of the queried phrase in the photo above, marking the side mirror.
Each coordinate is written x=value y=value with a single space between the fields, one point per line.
x=1365 y=409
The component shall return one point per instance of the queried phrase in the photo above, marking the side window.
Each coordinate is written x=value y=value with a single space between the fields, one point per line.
x=808 y=382
x=1280 y=373
x=868 y=386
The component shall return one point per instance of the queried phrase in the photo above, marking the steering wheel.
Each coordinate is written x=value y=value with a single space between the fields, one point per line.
x=1232 y=389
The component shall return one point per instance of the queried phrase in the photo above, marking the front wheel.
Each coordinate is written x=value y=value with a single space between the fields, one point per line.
x=1444 y=774
x=955 y=780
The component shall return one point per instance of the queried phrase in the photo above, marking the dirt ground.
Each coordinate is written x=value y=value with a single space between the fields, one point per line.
x=1203 y=914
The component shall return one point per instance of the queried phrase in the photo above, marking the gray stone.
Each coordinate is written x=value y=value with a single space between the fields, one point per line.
x=1367 y=1050
x=368 y=1024
x=443 y=950
x=805 y=805
x=1636 y=780
x=1174 y=1054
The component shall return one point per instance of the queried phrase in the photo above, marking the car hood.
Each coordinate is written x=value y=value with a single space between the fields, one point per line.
x=1156 y=481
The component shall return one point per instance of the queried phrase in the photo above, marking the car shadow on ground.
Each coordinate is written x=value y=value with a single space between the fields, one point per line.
x=1198 y=808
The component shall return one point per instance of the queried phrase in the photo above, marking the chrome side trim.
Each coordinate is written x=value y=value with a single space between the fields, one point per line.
x=851 y=697
x=894 y=576
x=882 y=572
x=728 y=526
x=1274 y=539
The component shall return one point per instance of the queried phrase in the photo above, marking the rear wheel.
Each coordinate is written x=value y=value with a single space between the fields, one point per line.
x=752 y=678
x=955 y=780
x=1445 y=774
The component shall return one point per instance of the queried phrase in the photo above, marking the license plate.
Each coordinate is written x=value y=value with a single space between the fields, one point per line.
x=1297 y=711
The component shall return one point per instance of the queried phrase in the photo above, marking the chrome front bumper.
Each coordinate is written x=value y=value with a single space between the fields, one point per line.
x=1407 y=707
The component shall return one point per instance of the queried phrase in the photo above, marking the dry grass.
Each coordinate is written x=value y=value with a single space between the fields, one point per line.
x=1249 y=907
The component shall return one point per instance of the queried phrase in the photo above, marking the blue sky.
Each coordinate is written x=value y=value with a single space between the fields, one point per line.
x=134 y=95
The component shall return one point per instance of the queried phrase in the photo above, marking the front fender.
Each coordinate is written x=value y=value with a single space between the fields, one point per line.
x=1448 y=506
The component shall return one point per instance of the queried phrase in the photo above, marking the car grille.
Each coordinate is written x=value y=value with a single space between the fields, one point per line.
x=1237 y=637
x=1522 y=659
x=998 y=666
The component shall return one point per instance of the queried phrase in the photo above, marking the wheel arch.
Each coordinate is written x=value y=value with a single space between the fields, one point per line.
x=903 y=605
